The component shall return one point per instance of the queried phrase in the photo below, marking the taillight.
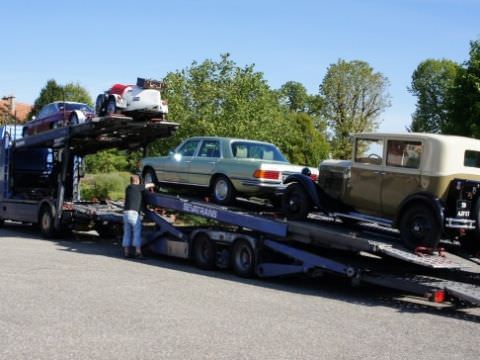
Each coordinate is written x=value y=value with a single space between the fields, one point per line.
x=314 y=177
x=266 y=174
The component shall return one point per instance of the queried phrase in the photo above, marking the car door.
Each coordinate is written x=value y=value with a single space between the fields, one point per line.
x=402 y=175
x=366 y=176
x=203 y=165
x=177 y=165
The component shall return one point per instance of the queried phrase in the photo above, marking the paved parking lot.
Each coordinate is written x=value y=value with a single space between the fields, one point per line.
x=77 y=299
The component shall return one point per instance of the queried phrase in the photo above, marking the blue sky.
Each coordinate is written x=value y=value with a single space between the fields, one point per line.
x=98 y=43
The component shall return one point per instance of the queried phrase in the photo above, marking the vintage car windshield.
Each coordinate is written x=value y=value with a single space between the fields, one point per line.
x=472 y=158
x=252 y=150
x=82 y=107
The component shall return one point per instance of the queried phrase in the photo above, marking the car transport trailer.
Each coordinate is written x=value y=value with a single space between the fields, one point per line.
x=40 y=174
x=256 y=244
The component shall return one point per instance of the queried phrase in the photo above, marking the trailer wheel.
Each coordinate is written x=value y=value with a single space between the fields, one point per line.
x=47 y=226
x=419 y=227
x=204 y=252
x=244 y=259
x=295 y=202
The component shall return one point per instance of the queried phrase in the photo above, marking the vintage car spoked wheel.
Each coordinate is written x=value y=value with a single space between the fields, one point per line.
x=223 y=192
x=419 y=227
x=111 y=106
x=243 y=258
x=295 y=202
x=204 y=252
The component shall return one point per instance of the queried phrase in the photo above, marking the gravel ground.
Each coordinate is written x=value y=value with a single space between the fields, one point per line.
x=78 y=299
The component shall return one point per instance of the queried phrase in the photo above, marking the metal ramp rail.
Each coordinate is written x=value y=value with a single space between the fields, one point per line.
x=274 y=236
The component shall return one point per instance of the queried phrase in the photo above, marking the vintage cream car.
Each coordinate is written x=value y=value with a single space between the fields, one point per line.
x=426 y=185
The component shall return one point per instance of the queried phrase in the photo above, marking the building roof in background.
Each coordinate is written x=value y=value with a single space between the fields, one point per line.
x=21 y=110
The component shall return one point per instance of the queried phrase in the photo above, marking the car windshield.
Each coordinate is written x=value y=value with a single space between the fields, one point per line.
x=252 y=150
x=82 y=107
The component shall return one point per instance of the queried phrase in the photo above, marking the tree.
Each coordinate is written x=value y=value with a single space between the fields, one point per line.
x=52 y=91
x=223 y=99
x=465 y=112
x=354 y=97
x=433 y=84
x=294 y=96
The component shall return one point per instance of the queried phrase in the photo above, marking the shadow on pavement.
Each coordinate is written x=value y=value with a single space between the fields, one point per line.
x=328 y=286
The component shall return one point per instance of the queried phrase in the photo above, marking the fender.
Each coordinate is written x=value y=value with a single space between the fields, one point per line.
x=427 y=198
x=119 y=100
x=308 y=185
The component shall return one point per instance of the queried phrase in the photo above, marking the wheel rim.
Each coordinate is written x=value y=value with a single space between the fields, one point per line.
x=111 y=107
x=148 y=178
x=221 y=189
x=244 y=258
x=46 y=221
x=294 y=202
x=419 y=226
x=205 y=250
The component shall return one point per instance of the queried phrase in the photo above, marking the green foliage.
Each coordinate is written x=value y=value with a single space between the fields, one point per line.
x=223 y=99
x=433 y=83
x=109 y=186
x=465 y=110
x=108 y=161
x=54 y=92
x=354 y=96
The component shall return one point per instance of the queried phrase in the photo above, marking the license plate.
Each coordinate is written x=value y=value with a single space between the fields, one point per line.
x=463 y=208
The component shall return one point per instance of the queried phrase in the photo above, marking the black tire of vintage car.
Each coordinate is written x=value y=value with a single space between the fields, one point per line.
x=223 y=191
x=100 y=104
x=111 y=106
x=296 y=202
x=419 y=227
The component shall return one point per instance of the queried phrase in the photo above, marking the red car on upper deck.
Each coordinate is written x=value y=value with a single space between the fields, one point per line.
x=58 y=114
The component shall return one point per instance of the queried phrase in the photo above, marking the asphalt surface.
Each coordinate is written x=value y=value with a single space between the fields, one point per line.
x=78 y=299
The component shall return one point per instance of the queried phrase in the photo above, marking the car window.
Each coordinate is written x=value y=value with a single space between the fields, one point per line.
x=369 y=151
x=210 y=148
x=252 y=150
x=188 y=149
x=405 y=154
x=82 y=107
x=472 y=158
x=43 y=112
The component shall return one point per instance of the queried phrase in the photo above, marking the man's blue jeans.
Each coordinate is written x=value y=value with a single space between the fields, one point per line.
x=132 y=228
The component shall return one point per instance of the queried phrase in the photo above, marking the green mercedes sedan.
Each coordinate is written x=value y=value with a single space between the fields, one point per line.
x=225 y=167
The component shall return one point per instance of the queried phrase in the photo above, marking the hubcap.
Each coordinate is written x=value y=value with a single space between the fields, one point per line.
x=45 y=221
x=244 y=259
x=221 y=190
x=419 y=227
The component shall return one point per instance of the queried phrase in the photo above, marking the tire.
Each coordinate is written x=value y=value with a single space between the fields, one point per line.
x=111 y=107
x=419 y=227
x=47 y=222
x=100 y=105
x=295 y=202
x=243 y=258
x=223 y=191
x=149 y=176
x=204 y=252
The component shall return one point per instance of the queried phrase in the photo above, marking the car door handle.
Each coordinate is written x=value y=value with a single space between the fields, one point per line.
x=187 y=161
